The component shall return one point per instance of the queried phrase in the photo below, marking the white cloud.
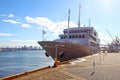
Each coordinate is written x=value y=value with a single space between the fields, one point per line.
x=24 y=41
x=10 y=15
x=45 y=23
x=11 y=21
x=5 y=34
x=41 y=21
x=26 y=26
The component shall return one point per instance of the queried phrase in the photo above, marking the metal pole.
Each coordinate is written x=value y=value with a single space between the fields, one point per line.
x=56 y=54
x=56 y=60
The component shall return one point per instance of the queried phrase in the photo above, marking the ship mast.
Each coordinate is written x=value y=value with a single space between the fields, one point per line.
x=68 y=23
x=68 y=18
x=79 y=15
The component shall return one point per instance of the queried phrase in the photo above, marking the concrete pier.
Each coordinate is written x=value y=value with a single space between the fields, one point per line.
x=102 y=66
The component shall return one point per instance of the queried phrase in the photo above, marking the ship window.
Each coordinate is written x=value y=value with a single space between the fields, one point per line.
x=76 y=36
x=88 y=31
x=94 y=33
x=65 y=32
x=65 y=36
x=79 y=36
x=73 y=36
x=83 y=36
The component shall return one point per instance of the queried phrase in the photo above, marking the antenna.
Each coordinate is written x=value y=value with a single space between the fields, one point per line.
x=89 y=22
x=79 y=15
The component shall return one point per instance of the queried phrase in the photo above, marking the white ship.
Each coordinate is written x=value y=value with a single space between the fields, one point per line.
x=73 y=43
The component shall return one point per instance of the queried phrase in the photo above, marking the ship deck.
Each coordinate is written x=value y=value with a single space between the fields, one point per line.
x=104 y=66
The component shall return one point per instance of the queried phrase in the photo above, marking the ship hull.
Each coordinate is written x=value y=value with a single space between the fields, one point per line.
x=66 y=51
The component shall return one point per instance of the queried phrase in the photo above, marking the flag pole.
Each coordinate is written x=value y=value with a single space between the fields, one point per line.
x=43 y=33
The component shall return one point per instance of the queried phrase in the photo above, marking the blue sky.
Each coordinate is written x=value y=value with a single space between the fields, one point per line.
x=22 y=21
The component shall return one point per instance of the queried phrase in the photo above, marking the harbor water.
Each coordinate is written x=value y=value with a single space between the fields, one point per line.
x=22 y=61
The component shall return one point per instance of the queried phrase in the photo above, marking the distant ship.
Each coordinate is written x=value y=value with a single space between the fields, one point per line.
x=73 y=43
x=114 y=46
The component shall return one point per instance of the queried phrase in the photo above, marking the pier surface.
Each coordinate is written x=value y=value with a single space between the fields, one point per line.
x=102 y=66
